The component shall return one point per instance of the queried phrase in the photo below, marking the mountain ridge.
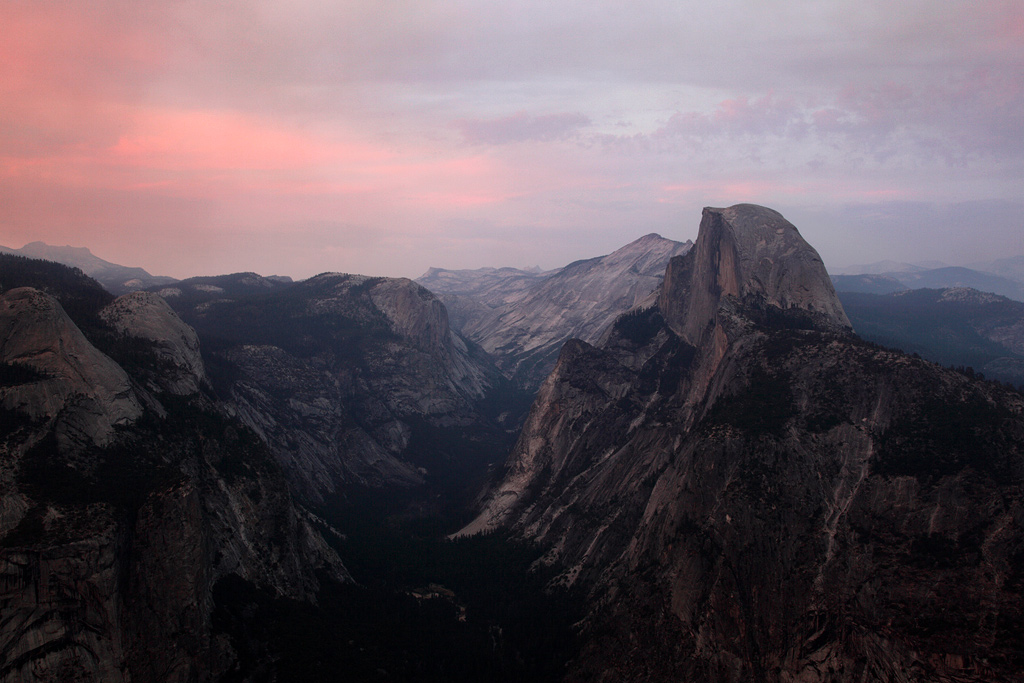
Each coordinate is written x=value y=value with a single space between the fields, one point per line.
x=115 y=278
x=524 y=320
x=954 y=326
x=756 y=494
x=884 y=280
x=341 y=374
x=126 y=501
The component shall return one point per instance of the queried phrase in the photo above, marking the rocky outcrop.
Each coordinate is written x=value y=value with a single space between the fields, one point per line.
x=747 y=491
x=525 y=321
x=341 y=373
x=418 y=316
x=754 y=255
x=118 y=514
x=146 y=316
x=77 y=389
x=305 y=414
x=88 y=594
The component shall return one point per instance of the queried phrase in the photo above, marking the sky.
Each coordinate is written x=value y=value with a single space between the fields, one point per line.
x=384 y=137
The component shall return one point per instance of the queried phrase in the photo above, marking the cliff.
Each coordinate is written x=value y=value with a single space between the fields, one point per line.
x=523 y=318
x=147 y=317
x=342 y=375
x=122 y=507
x=747 y=491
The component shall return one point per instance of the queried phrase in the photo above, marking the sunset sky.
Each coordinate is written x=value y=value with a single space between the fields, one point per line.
x=383 y=137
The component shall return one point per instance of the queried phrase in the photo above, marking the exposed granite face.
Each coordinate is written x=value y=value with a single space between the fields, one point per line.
x=758 y=495
x=81 y=392
x=147 y=316
x=61 y=609
x=338 y=372
x=491 y=287
x=754 y=255
x=419 y=317
x=525 y=318
x=116 y=520
x=304 y=412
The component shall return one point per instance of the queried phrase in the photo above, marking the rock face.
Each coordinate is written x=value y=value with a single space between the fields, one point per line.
x=747 y=491
x=751 y=254
x=340 y=374
x=146 y=316
x=471 y=295
x=81 y=392
x=120 y=510
x=525 y=322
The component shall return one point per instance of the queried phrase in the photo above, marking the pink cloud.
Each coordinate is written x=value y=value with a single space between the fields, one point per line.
x=226 y=140
x=83 y=52
x=213 y=153
x=240 y=125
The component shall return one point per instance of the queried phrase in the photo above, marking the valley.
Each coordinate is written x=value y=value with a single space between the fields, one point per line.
x=678 y=461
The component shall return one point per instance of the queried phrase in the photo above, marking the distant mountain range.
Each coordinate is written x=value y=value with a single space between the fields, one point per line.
x=1011 y=267
x=887 y=266
x=953 y=326
x=877 y=281
x=115 y=278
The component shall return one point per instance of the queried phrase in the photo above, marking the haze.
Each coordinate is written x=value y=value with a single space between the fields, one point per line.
x=195 y=137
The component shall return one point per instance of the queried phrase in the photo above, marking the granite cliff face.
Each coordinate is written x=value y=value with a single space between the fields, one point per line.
x=340 y=374
x=80 y=393
x=754 y=256
x=146 y=316
x=747 y=491
x=123 y=503
x=471 y=295
x=524 y=322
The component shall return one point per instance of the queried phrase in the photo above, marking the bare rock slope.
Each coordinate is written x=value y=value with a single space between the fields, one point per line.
x=146 y=316
x=123 y=505
x=523 y=319
x=747 y=491
x=80 y=393
x=340 y=374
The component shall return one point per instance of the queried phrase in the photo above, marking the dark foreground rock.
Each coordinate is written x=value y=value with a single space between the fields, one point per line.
x=124 y=500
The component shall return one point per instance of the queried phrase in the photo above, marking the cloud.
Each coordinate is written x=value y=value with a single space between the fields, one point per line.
x=737 y=117
x=522 y=127
x=577 y=122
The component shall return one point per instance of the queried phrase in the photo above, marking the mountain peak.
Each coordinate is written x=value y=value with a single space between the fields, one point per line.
x=650 y=241
x=750 y=253
x=649 y=237
x=38 y=244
